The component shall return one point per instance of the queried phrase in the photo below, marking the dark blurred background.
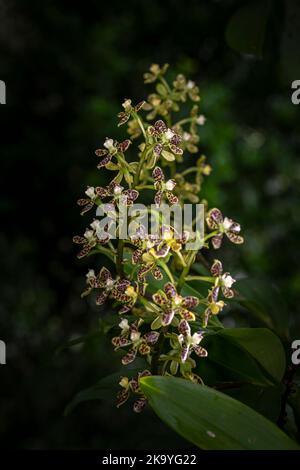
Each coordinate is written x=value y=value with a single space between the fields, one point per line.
x=67 y=68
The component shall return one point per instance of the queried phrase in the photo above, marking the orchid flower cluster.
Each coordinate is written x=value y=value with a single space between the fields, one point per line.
x=155 y=319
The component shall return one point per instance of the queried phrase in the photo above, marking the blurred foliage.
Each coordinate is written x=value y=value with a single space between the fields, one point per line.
x=66 y=70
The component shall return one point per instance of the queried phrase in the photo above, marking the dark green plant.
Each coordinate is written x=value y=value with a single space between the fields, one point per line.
x=158 y=284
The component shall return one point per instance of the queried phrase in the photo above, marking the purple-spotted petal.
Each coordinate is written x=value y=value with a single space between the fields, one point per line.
x=158 y=149
x=217 y=241
x=144 y=349
x=184 y=353
x=216 y=215
x=83 y=202
x=157 y=274
x=125 y=309
x=104 y=277
x=122 y=397
x=123 y=146
x=176 y=139
x=131 y=194
x=207 y=314
x=139 y=106
x=187 y=315
x=129 y=357
x=124 y=117
x=160 y=126
x=176 y=150
x=216 y=268
x=158 y=174
x=79 y=240
x=190 y=301
x=101 y=298
x=105 y=161
x=139 y=405
x=170 y=290
x=116 y=341
x=167 y=317
x=134 y=385
x=171 y=198
x=101 y=192
x=101 y=152
x=215 y=294
x=234 y=238
x=159 y=298
x=85 y=251
x=136 y=256
x=143 y=271
x=184 y=328
x=122 y=284
x=87 y=208
x=151 y=337
x=158 y=198
x=145 y=373
x=228 y=293
x=201 y=352
x=162 y=252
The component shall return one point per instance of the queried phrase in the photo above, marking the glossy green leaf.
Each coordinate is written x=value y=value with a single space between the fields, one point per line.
x=243 y=355
x=265 y=302
x=107 y=387
x=210 y=419
x=264 y=400
x=263 y=345
x=103 y=390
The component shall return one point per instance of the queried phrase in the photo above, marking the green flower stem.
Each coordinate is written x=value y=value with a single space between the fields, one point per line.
x=141 y=163
x=104 y=251
x=145 y=186
x=165 y=267
x=184 y=121
x=210 y=235
x=184 y=274
x=140 y=122
x=200 y=278
x=190 y=170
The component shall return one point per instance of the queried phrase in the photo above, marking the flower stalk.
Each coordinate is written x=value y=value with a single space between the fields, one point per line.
x=153 y=320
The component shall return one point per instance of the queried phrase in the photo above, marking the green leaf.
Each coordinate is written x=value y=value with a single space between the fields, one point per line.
x=247 y=355
x=76 y=341
x=102 y=390
x=106 y=388
x=210 y=419
x=265 y=302
x=247 y=28
x=263 y=345
x=264 y=400
x=230 y=360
